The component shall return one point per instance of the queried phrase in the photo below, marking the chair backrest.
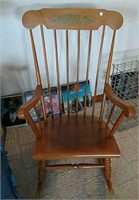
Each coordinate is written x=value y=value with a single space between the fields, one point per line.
x=73 y=45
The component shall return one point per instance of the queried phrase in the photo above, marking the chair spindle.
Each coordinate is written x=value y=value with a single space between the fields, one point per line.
x=34 y=127
x=117 y=124
x=37 y=71
x=107 y=75
x=35 y=59
x=57 y=69
x=78 y=66
x=111 y=111
x=98 y=69
x=67 y=70
x=46 y=66
x=38 y=118
x=110 y=58
x=87 y=71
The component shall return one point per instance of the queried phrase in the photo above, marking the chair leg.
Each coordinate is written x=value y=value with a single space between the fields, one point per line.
x=107 y=174
x=41 y=173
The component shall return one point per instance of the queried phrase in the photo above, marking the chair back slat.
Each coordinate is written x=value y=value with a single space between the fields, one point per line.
x=38 y=118
x=78 y=70
x=35 y=59
x=66 y=59
x=46 y=66
x=98 y=69
x=87 y=70
x=107 y=75
x=117 y=123
x=34 y=127
x=57 y=68
x=43 y=109
x=67 y=70
x=110 y=58
x=110 y=115
x=38 y=76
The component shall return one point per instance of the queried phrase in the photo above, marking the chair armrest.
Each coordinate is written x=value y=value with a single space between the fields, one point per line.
x=128 y=109
x=25 y=108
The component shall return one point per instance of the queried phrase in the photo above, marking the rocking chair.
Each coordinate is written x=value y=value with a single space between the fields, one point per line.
x=68 y=36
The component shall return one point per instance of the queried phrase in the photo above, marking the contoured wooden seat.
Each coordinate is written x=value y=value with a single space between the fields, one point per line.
x=75 y=138
x=77 y=135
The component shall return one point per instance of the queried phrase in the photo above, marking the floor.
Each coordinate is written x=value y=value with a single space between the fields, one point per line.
x=74 y=184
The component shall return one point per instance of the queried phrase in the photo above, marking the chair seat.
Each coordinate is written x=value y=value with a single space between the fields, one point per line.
x=72 y=137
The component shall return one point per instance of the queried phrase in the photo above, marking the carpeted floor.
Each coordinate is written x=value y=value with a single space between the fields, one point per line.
x=74 y=184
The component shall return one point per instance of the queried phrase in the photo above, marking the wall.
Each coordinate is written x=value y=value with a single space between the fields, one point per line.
x=15 y=57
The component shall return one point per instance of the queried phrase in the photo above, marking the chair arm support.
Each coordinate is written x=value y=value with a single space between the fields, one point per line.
x=128 y=109
x=25 y=108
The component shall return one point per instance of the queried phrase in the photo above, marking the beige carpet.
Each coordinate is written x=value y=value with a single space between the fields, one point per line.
x=74 y=184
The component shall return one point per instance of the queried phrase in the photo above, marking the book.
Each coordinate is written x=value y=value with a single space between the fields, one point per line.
x=73 y=88
x=55 y=102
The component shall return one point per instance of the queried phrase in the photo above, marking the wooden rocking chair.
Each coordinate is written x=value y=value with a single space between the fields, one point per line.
x=78 y=135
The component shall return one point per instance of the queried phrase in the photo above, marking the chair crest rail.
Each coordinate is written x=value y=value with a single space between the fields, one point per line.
x=72 y=19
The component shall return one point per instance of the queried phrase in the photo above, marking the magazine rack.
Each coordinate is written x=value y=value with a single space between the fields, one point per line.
x=78 y=135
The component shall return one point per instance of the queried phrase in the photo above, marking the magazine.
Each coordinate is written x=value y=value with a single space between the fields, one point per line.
x=73 y=88
x=55 y=102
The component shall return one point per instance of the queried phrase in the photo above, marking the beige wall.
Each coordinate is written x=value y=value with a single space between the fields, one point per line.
x=15 y=56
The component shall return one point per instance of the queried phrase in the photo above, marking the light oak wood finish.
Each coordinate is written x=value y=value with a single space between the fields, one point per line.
x=98 y=69
x=87 y=70
x=41 y=174
x=72 y=19
x=78 y=135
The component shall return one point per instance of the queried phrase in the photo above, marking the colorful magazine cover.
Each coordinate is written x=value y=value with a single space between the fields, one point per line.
x=55 y=102
x=73 y=88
